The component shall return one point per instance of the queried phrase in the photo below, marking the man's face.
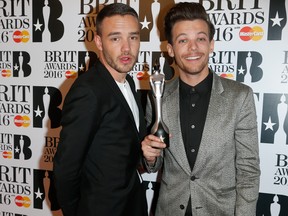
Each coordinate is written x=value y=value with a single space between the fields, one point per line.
x=119 y=43
x=191 y=47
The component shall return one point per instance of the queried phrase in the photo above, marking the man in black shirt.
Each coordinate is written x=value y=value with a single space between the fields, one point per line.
x=212 y=164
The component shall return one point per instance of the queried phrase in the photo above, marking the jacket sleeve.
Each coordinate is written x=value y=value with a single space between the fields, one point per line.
x=247 y=158
x=79 y=124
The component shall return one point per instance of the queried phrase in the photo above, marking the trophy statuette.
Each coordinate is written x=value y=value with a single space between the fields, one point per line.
x=157 y=82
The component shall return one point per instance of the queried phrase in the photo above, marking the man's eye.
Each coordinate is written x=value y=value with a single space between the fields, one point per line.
x=115 y=39
x=201 y=39
x=182 y=41
x=134 y=38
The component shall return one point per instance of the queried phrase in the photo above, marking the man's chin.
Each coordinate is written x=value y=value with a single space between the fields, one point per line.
x=125 y=69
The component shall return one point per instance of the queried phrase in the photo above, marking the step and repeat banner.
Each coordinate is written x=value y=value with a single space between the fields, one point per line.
x=46 y=44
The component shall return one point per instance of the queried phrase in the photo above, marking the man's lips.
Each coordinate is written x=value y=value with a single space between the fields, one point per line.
x=193 y=57
x=125 y=59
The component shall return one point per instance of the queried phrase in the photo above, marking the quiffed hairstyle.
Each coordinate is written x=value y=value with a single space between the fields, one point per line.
x=112 y=10
x=186 y=11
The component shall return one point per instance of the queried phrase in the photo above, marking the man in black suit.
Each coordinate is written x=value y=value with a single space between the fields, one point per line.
x=102 y=127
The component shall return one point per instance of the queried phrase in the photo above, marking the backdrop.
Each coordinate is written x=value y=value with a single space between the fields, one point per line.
x=46 y=44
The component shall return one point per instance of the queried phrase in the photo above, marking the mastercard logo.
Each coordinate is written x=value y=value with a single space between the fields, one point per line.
x=70 y=74
x=21 y=36
x=6 y=73
x=142 y=75
x=228 y=76
x=22 y=201
x=255 y=34
x=7 y=154
x=22 y=121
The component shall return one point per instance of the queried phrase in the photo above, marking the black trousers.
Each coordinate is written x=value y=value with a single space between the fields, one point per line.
x=189 y=208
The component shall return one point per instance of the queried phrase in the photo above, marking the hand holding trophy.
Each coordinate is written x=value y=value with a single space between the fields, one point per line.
x=157 y=82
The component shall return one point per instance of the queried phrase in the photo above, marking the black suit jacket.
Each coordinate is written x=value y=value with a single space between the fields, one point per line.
x=99 y=150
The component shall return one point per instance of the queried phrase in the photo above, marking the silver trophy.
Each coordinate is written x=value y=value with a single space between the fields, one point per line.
x=157 y=82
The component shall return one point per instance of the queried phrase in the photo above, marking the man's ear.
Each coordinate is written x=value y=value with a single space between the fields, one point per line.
x=98 y=42
x=170 y=50
x=212 y=46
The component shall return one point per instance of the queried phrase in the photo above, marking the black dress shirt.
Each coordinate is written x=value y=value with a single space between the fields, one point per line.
x=194 y=102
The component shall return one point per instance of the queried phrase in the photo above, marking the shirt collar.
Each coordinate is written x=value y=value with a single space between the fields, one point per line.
x=203 y=87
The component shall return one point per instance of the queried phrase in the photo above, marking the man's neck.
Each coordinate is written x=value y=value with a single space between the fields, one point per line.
x=193 y=79
x=119 y=77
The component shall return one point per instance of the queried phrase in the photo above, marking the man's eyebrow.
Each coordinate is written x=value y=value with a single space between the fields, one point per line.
x=133 y=33
x=119 y=33
x=181 y=34
x=202 y=32
x=113 y=33
x=185 y=34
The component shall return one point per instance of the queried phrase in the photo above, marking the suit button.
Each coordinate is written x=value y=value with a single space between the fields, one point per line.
x=193 y=178
x=182 y=206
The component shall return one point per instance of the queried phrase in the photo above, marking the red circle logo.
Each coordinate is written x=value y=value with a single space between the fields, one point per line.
x=7 y=154
x=247 y=33
x=21 y=36
x=22 y=201
x=70 y=74
x=17 y=36
x=20 y=121
x=6 y=73
x=142 y=75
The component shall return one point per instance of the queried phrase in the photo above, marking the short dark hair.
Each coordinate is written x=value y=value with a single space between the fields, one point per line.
x=186 y=11
x=112 y=10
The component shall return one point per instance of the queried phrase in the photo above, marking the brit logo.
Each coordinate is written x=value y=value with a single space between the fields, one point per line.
x=275 y=119
x=277 y=19
x=44 y=195
x=15 y=146
x=47 y=26
x=68 y=63
x=152 y=18
x=245 y=65
x=46 y=111
x=248 y=67
x=85 y=61
x=16 y=64
x=272 y=205
x=21 y=66
x=22 y=147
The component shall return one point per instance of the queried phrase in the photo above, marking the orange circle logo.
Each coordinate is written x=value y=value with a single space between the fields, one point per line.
x=142 y=75
x=70 y=74
x=22 y=201
x=20 y=121
x=7 y=154
x=247 y=33
x=21 y=36
x=228 y=76
x=6 y=73
x=26 y=121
